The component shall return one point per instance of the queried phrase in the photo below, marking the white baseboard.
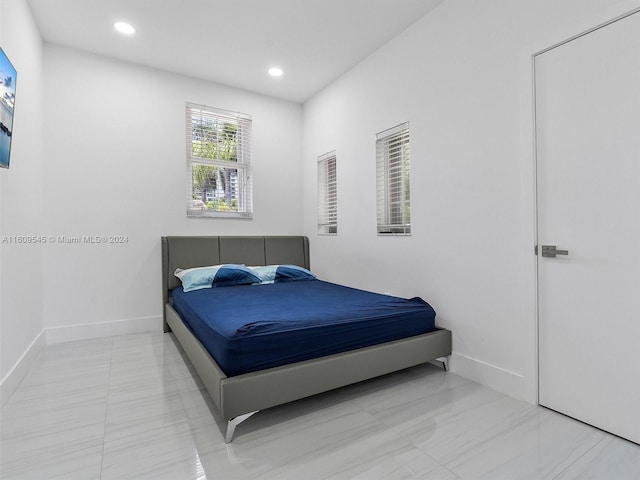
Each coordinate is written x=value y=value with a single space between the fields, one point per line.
x=84 y=331
x=70 y=333
x=12 y=379
x=505 y=381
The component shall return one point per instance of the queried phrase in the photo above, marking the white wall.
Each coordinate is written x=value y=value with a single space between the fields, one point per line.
x=21 y=203
x=457 y=76
x=115 y=140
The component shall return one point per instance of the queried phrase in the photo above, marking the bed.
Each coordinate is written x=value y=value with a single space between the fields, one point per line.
x=238 y=390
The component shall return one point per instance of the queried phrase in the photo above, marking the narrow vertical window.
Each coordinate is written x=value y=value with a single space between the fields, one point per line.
x=327 y=194
x=393 y=188
x=219 y=182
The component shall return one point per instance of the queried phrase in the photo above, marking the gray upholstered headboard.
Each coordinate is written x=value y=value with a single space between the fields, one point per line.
x=188 y=252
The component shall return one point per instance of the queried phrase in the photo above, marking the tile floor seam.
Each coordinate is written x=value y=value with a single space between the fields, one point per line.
x=106 y=409
x=442 y=465
x=579 y=458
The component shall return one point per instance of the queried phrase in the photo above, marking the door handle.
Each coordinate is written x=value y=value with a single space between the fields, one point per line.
x=551 y=251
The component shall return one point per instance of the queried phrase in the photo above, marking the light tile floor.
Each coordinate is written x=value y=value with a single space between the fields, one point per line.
x=131 y=407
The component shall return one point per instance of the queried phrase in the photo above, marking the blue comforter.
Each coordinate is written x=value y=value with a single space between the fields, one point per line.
x=254 y=327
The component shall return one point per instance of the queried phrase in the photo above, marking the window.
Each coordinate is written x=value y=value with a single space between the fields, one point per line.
x=327 y=195
x=393 y=190
x=219 y=182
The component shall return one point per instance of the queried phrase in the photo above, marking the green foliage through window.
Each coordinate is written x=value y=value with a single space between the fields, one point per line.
x=219 y=162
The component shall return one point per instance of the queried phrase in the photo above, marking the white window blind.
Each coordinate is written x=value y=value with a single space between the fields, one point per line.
x=327 y=194
x=219 y=182
x=393 y=189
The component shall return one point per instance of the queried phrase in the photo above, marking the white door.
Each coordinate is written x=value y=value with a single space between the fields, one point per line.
x=588 y=194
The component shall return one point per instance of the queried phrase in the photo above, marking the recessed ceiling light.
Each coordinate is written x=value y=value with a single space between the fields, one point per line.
x=276 y=72
x=125 y=28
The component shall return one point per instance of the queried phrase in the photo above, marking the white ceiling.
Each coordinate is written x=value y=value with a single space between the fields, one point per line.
x=234 y=42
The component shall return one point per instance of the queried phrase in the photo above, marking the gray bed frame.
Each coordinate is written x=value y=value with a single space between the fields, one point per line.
x=239 y=397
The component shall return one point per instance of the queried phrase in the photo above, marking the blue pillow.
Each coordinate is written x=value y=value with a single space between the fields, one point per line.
x=281 y=273
x=215 y=276
x=290 y=273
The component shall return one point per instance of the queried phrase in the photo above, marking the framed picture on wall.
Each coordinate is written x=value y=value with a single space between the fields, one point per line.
x=8 y=76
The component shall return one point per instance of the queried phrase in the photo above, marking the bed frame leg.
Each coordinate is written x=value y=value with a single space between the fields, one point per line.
x=233 y=423
x=445 y=363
